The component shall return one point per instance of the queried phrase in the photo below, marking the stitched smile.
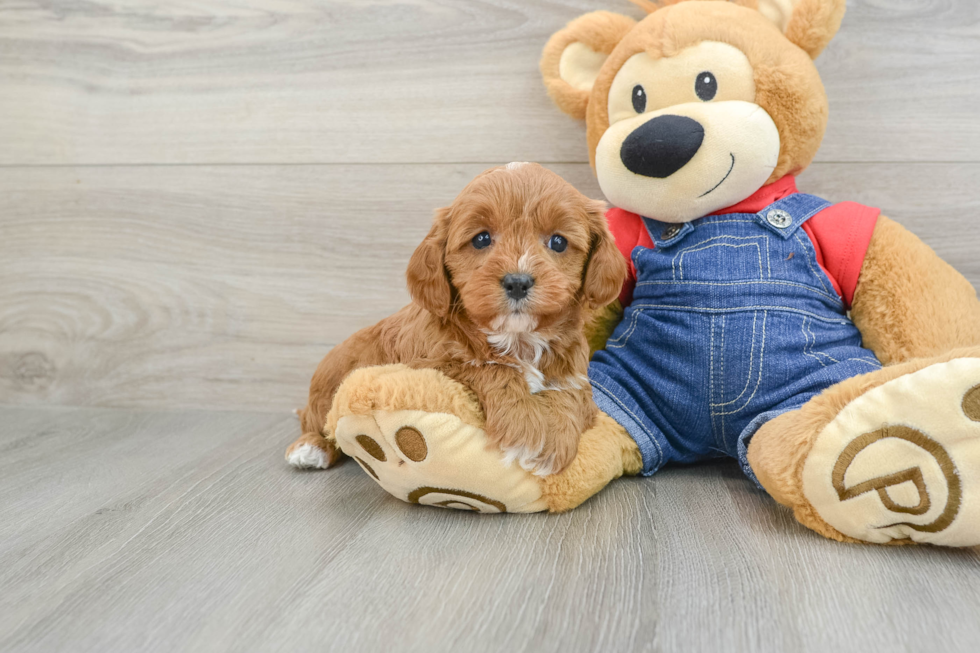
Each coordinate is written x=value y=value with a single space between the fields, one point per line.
x=723 y=180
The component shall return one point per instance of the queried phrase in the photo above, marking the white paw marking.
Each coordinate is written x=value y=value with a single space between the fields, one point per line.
x=529 y=460
x=306 y=456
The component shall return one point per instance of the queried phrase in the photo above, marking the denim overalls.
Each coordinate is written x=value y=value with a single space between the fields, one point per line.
x=733 y=322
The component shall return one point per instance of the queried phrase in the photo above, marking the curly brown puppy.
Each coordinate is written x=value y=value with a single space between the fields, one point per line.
x=501 y=286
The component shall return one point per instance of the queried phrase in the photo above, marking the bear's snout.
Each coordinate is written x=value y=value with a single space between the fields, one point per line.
x=662 y=146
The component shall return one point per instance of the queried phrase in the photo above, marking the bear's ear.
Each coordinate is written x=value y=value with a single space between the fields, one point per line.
x=573 y=57
x=809 y=24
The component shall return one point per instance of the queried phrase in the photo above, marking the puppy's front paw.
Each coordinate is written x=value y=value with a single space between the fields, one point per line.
x=549 y=455
x=531 y=460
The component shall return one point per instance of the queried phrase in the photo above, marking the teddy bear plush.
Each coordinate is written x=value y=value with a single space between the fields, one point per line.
x=823 y=346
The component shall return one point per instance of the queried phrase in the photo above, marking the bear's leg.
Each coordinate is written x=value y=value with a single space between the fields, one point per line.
x=605 y=452
x=419 y=434
x=887 y=457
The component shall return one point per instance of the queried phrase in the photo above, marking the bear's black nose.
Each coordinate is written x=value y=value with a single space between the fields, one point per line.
x=517 y=285
x=662 y=146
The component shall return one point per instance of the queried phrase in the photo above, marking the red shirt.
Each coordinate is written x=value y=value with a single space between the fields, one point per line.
x=840 y=235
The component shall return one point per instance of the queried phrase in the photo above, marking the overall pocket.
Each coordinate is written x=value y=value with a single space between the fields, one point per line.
x=737 y=363
x=621 y=336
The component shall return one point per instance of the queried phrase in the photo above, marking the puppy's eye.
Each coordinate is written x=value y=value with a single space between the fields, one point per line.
x=481 y=240
x=639 y=99
x=706 y=87
x=557 y=243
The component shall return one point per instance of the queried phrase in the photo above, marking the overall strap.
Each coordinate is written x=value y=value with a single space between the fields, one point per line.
x=784 y=217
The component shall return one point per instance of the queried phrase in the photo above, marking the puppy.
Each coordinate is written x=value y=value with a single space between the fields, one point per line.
x=501 y=288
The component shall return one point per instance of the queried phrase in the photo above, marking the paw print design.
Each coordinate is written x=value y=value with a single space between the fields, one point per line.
x=435 y=459
x=903 y=460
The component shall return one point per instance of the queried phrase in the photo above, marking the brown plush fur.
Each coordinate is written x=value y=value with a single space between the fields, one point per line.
x=462 y=323
x=601 y=325
x=779 y=450
x=814 y=24
x=912 y=309
x=606 y=452
x=910 y=303
x=601 y=31
x=811 y=26
x=788 y=86
x=383 y=388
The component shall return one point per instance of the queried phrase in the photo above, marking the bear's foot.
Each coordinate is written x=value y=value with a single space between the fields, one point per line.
x=902 y=461
x=419 y=435
x=891 y=457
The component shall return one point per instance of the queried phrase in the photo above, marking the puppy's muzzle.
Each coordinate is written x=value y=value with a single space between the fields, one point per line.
x=517 y=285
x=660 y=147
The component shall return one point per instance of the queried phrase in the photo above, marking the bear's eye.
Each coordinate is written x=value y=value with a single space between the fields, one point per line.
x=481 y=240
x=706 y=87
x=639 y=99
x=557 y=243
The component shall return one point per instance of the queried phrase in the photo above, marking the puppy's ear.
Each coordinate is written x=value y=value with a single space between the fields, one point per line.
x=573 y=57
x=428 y=279
x=605 y=271
x=810 y=24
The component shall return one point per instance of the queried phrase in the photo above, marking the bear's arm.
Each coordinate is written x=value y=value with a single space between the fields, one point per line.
x=909 y=302
x=600 y=325
x=628 y=232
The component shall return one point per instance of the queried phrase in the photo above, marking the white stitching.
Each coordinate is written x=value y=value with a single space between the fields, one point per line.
x=680 y=255
x=821 y=353
x=711 y=379
x=622 y=340
x=817 y=291
x=768 y=259
x=808 y=350
x=748 y=380
x=742 y=309
x=806 y=343
x=762 y=354
x=710 y=222
x=809 y=264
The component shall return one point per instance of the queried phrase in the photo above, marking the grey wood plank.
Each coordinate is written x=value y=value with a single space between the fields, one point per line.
x=302 y=81
x=161 y=531
x=222 y=287
x=209 y=287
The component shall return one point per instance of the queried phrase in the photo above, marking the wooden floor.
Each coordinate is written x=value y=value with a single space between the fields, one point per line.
x=199 y=198
x=181 y=531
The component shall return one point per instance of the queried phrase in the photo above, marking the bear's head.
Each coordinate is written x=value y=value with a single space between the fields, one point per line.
x=698 y=105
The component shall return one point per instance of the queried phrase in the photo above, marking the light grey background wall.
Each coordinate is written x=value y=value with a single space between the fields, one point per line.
x=198 y=199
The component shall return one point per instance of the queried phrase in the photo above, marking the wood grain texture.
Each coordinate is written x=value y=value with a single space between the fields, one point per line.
x=222 y=287
x=379 y=81
x=156 y=531
x=199 y=198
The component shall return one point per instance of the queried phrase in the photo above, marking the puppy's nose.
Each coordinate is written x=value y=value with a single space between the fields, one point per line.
x=517 y=285
x=662 y=146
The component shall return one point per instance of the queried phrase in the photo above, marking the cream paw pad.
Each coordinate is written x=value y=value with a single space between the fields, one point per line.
x=438 y=460
x=902 y=461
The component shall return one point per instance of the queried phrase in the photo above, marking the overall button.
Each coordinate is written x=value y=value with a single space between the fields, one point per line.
x=779 y=218
x=670 y=232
